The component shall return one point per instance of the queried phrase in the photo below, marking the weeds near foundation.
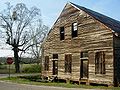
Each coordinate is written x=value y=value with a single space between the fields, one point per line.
x=57 y=84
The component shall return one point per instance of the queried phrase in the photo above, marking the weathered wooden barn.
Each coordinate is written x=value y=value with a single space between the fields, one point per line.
x=83 y=45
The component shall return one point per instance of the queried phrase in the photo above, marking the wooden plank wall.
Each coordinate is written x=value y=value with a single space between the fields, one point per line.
x=116 y=60
x=92 y=37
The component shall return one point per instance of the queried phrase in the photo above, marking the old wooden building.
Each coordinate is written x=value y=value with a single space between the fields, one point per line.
x=83 y=45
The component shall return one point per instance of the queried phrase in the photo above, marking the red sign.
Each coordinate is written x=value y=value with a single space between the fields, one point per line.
x=9 y=60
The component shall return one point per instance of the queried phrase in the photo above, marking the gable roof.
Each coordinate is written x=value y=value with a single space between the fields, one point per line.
x=109 y=22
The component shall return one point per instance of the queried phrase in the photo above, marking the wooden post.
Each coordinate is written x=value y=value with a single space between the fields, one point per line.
x=9 y=71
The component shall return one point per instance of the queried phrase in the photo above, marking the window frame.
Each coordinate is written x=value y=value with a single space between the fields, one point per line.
x=74 y=29
x=84 y=54
x=62 y=33
x=100 y=63
x=55 y=56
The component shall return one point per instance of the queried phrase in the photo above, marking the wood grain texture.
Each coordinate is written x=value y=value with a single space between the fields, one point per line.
x=93 y=36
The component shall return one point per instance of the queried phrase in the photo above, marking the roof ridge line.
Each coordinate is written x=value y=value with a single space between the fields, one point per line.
x=108 y=21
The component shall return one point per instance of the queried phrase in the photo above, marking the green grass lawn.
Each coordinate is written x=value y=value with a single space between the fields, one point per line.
x=4 y=69
x=68 y=85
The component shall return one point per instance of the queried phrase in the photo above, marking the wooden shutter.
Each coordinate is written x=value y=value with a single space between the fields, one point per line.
x=46 y=63
x=96 y=62
x=100 y=63
x=103 y=63
x=68 y=63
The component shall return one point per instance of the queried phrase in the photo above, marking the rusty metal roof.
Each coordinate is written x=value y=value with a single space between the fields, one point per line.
x=109 y=22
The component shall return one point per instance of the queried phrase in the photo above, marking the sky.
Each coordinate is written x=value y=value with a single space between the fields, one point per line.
x=51 y=9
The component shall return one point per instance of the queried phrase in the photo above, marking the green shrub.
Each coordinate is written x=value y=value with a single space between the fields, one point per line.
x=32 y=69
x=3 y=66
x=31 y=78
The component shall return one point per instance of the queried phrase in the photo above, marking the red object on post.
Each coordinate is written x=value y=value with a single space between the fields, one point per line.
x=9 y=60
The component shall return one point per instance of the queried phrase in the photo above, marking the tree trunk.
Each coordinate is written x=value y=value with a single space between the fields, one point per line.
x=16 y=58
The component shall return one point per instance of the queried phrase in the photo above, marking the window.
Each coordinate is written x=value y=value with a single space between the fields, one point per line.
x=84 y=54
x=74 y=30
x=55 y=56
x=62 y=37
x=68 y=63
x=46 y=63
x=100 y=63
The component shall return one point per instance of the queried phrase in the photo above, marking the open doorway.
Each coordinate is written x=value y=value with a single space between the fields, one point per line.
x=84 y=65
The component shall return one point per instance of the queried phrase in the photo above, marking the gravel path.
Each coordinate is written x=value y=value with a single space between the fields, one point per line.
x=14 y=86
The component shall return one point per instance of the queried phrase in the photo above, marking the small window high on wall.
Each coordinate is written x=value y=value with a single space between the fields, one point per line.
x=62 y=32
x=74 y=30
x=55 y=56
x=100 y=63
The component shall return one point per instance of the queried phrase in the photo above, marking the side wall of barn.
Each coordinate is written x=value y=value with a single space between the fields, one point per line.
x=93 y=37
x=116 y=59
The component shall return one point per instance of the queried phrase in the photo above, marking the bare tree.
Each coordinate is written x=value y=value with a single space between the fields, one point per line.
x=15 y=22
x=38 y=34
x=37 y=41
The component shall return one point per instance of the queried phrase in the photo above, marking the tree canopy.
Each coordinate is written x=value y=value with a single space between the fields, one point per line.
x=20 y=28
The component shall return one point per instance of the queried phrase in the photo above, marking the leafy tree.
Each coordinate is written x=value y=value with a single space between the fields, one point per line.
x=16 y=22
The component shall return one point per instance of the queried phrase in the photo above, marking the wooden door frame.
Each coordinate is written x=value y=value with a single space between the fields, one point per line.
x=81 y=69
x=53 y=69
